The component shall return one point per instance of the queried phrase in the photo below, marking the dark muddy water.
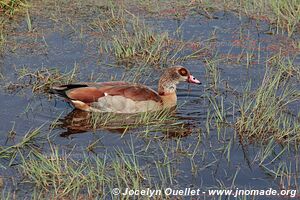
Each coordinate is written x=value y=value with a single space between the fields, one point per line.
x=227 y=38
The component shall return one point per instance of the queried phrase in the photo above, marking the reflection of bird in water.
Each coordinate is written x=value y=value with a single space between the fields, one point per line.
x=165 y=122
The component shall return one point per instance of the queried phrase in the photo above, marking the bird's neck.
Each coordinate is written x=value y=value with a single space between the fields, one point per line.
x=166 y=86
x=167 y=91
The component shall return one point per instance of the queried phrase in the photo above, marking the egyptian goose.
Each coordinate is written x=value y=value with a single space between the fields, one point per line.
x=123 y=97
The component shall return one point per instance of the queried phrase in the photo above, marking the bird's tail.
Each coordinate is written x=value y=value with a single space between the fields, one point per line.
x=62 y=89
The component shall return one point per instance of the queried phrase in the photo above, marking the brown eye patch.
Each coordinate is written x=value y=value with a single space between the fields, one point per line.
x=183 y=72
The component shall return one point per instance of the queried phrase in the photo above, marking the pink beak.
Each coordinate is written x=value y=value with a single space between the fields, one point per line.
x=192 y=79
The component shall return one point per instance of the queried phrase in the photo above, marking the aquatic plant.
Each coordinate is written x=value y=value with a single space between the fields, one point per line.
x=41 y=80
x=10 y=7
x=265 y=114
x=280 y=13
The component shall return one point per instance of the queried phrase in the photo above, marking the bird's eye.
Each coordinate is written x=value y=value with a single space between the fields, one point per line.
x=183 y=72
x=193 y=78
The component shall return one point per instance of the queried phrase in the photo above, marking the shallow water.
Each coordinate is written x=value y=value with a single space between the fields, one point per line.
x=24 y=110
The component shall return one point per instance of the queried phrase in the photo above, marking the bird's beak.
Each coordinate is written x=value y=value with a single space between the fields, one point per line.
x=192 y=79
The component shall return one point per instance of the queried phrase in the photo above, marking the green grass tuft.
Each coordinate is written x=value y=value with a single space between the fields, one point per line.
x=281 y=14
x=11 y=7
x=41 y=80
x=265 y=114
